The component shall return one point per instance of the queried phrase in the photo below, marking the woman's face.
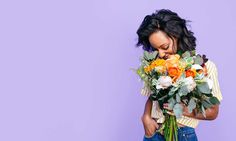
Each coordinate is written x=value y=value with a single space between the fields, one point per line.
x=163 y=44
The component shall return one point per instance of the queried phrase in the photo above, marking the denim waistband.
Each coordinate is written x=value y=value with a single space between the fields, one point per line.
x=186 y=130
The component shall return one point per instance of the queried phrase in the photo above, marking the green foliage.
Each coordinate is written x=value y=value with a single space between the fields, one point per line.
x=150 y=55
x=214 y=100
x=198 y=60
x=186 y=54
x=191 y=105
x=178 y=110
x=203 y=88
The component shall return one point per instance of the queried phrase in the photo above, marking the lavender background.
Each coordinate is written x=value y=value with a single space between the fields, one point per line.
x=65 y=67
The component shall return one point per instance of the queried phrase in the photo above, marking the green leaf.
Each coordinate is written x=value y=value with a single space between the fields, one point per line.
x=186 y=54
x=172 y=90
x=177 y=98
x=189 y=60
x=204 y=88
x=193 y=52
x=163 y=97
x=214 y=100
x=154 y=82
x=206 y=104
x=144 y=62
x=171 y=103
x=191 y=105
x=183 y=91
x=178 y=110
x=198 y=60
x=150 y=55
x=180 y=52
x=203 y=111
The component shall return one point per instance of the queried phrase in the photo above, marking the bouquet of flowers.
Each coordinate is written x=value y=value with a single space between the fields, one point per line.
x=180 y=79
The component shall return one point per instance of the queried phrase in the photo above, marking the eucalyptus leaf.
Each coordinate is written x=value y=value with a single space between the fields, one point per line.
x=191 y=105
x=203 y=111
x=172 y=90
x=206 y=104
x=145 y=62
x=214 y=100
x=204 y=88
x=198 y=60
x=154 y=82
x=150 y=55
x=189 y=60
x=186 y=54
x=183 y=91
x=178 y=110
x=171 y=103
x=177 y=98
x=163 y=97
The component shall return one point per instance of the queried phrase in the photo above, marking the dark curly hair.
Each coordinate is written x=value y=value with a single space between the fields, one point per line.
x=171 y=24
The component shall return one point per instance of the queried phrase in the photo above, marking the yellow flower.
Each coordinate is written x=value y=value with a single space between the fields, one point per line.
x=172 y=61
x=147 y=69
x=182 y=65
x=174 y=57
x=158 y=62
x=161 y=69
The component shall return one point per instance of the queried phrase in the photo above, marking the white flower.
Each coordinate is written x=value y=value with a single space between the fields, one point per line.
x=190 y=83
x=163 y=82
x=197 y=67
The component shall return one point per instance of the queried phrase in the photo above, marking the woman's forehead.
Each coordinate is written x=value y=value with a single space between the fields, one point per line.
x=158 y=38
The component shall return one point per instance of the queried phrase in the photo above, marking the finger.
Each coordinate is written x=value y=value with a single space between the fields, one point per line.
x=156 y=125
x=170 y=113
x=149 y=133
x=165 y=105
x=167 y=108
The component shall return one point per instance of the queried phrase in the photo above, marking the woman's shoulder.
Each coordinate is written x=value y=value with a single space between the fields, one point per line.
x=211 y=66
x=210 y=63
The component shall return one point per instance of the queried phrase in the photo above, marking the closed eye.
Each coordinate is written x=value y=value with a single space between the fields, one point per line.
x=166 y=47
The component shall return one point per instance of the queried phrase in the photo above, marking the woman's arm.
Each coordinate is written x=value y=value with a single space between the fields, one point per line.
x=148 y=108
x=149 y=124
x=211 y=113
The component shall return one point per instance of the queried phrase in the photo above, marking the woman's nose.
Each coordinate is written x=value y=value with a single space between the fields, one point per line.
x=161 y=54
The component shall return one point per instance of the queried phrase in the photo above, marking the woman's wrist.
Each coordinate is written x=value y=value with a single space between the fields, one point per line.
x=187 y=114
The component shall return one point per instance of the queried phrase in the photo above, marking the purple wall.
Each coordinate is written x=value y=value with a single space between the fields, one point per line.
x=65 y=67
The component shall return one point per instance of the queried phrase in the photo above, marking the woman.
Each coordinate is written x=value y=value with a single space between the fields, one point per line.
x=167 y=33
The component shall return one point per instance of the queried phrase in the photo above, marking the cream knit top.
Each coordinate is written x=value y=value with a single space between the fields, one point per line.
x=184 y=120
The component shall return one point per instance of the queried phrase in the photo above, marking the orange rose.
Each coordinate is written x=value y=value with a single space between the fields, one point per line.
x=190 y=72
x=200 y=71
x=174 y=72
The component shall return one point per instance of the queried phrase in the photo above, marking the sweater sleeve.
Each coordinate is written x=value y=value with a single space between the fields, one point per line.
x=213 y=75
x=145 y=91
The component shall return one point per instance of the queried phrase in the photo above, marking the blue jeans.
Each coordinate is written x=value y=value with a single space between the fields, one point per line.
x=184 y=134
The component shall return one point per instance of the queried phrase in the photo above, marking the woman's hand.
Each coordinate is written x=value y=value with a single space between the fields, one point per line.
x=185 y=110
x=149 y=124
